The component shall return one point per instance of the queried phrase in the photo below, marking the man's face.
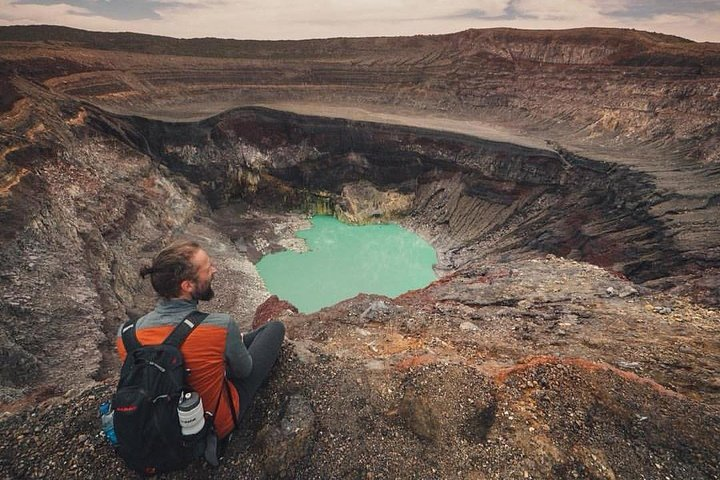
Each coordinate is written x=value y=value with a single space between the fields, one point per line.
x=205 y=272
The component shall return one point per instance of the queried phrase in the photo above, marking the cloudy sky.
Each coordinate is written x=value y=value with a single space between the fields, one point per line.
x=285 y=19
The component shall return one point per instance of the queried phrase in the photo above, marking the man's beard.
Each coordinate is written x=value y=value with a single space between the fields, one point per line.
x=205 y=293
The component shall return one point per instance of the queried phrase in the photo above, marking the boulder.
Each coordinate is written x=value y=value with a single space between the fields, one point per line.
x=289 y=440
x=269 y=309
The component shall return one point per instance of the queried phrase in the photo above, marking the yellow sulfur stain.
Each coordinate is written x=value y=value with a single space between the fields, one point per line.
x=31 y=134
x=8 y=151
x=78 y=119
x=7 y=182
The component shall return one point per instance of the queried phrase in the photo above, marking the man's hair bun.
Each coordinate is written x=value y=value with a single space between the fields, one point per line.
x=147 y=270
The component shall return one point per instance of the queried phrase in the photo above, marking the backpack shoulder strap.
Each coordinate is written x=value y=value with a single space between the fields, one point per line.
x=129 y=338
x=184 y=329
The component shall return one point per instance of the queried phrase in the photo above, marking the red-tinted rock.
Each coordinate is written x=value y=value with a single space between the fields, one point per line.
x=269 y=309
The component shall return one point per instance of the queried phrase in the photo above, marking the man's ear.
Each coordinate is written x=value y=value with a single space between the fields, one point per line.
x=186 y=286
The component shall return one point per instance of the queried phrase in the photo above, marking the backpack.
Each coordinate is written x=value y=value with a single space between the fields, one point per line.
x=152 y=381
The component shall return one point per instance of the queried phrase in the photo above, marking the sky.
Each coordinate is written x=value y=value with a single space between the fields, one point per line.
x=697 y=20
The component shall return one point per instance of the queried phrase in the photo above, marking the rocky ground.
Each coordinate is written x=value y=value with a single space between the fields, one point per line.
x=573 y=332
x=545 y=368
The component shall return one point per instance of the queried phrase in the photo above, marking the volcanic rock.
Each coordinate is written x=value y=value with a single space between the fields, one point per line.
x=289 y=442
x=271 y=308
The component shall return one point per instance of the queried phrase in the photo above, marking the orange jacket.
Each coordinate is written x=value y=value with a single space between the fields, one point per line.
x=212 y=350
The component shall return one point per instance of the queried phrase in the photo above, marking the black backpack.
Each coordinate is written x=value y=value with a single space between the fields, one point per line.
x=152 y=380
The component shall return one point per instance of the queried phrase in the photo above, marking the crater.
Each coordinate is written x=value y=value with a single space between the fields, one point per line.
x=512 y=153
x=468 y=196
x=243 y=183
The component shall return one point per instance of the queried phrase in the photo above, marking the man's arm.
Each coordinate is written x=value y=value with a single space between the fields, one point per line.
x=237 y=356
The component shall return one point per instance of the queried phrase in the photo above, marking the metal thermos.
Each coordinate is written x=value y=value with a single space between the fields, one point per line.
x=191 y=413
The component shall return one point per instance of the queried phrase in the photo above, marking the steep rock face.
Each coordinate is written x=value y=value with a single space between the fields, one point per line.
x=472 y=197
x=361 y=202
x=78 y=213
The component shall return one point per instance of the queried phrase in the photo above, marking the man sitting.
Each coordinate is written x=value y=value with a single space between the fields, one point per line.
x=226 y=367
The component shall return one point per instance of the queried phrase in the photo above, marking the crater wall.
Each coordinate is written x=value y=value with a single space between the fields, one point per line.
x=471 y=197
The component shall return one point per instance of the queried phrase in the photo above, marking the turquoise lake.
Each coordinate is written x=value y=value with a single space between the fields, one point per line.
x=344 y=260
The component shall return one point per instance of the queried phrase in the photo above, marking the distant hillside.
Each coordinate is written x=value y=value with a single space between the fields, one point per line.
x=621 y=47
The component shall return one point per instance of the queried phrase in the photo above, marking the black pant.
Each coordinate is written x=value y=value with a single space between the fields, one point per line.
x=264 y=346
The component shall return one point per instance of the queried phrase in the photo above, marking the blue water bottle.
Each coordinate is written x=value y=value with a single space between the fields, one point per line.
x=106 y=419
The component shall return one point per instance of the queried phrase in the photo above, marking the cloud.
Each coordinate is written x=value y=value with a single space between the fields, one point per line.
x=114 y=9
x=534 y=10
x=573 y=10
x=509 y=12
x=642 y=9
x=284 y=19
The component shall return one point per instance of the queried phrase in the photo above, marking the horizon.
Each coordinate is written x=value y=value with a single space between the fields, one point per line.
x=129 y=32
x=697 y=20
